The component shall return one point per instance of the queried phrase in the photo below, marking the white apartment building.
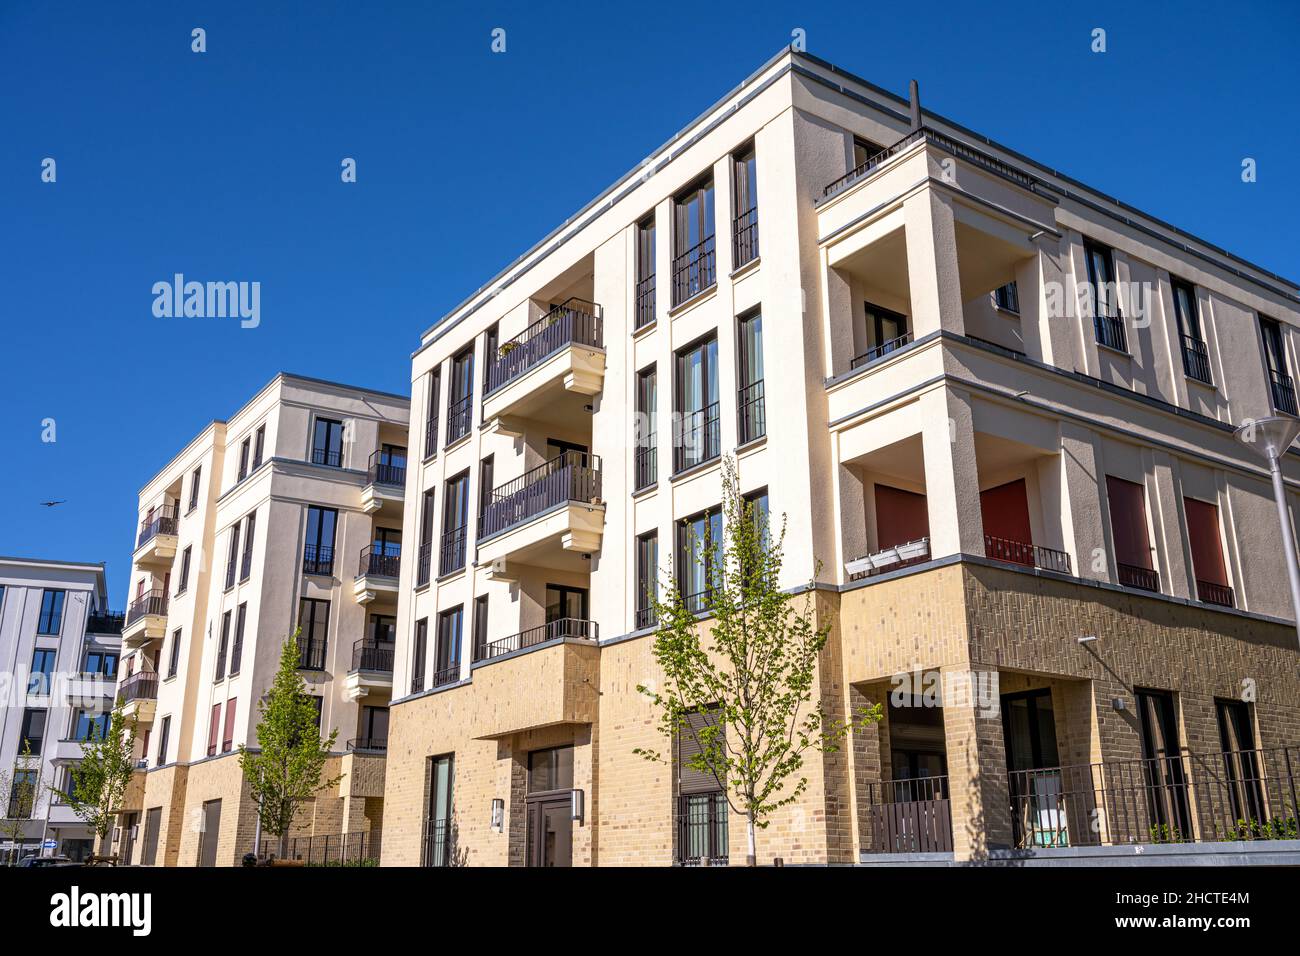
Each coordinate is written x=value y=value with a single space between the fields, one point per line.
x=59 y=653
x=286 y=515
x=997 y=407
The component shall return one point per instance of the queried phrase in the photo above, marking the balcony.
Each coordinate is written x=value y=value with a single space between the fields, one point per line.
x=371 y=670
x=318 y=559
x=889 y=559
x=1030 y=555
x=139 y=696
x=880 y=351
x=377 y=574
x=156 y=542
x=559 y=663
x=911 y=815
x=1196 y=360
x=385 y=484
x=548 y=372
x=548 y=516
x=105 y=622
x=698 y=438
x=1283 y=389
x=375 y=745
x=146 y=619
x=570 y=627
x=695 y=271
x=1143 y=579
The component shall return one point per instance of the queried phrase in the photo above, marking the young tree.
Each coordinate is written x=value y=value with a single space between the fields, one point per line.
x=286 y=768
x=747 y=673
x=19 y=789
x=100 y=778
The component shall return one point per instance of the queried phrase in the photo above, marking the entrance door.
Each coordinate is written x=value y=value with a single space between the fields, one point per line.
x=1033 y=765
x=550 y=831
x=152 y=824
x=128 y=837
x=1166 y=785
x=211 y=830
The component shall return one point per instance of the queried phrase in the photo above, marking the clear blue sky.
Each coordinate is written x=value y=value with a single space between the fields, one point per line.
x=225 y=166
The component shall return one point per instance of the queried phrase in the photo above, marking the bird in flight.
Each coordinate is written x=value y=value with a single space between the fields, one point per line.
x=51 y=504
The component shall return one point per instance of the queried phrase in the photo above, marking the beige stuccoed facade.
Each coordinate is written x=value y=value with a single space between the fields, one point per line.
x=1028 y=497
x=315 y=470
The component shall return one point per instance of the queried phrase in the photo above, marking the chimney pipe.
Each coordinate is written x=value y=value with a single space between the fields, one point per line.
x=914 y=96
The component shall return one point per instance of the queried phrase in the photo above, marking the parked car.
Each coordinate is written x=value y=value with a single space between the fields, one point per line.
x=55 y=860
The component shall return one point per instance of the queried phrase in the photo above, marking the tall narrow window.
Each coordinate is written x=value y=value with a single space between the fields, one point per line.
x=1207 y=552
x=194 y=487
x=702 y=815
x=228 y=735
x=1280 y=383
x=745 y=227
x=1240 y=762
x=1162 y=757
x=314 y=622
x=232 y=557
x=485 y=470
x=419 y=653
x=163 y=736
x=694 y=257
x=480 y=626
x=174 y=660
x=647 y=417
x=214 y=729
x=51 y=617
x=1196 y=358
x=42 y=673
x=1007 y=297
x=223 y=646
x=699 y=550
x=645 y=271
x=184 y=582
x=1108 y=320
x=647 y=578
x=32 y=733
x=749 y=401
x=491 y=348
x=437 y=826
x=460 y=396
x=431 y=422
x=884 y=331
x=237 y=649
x=1128 y=522
x=455 y=515
x=243 y=460
x=259 y=446
x=246 y=562
x=318 y=552
x=446 y=665
x=424 y=558
x=699 y=438
x=327 y=443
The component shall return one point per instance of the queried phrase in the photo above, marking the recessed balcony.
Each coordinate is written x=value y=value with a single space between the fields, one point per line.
x=377 y=574
x=549 y=371
x=371 y=670
x=385 y=483
x=551 y=516
x=156 y=541
x=139 y=696
x=146 y=619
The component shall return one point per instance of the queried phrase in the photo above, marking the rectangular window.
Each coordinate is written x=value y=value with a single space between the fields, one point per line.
x=314 y=620
x=1196 y=358
x=1007 y=297
x=491 y=347
x=1280 y=383
x=163 y=735
x=246 y=561
x=864 y=151
x=460 y=396
x=194 y=488
x=38 y=682
x=431 y=422
x=885 y=331
x=647 y=418
x=23 y=794
x=259 y=446
x=237 y=649
x=51 y=619
x=184 y=582
x=88 y=726
x=749 y=401
x=243 y=461
x=222 y=646
x=99 y=663
x=550 y=770
x=374 y=728
x=425 y=557
x=228 y=735
x=1108 y=320
x=694 y=257
x=699 y=437
x=647 y=579
x=485 y=470
x=1241 y=763
x=232 y=557
x=699 y=549
x=327 y=443
x=437 y=826
x=446 y=665
x=1162 y=757
x=318 y=552
x=214 y=729
x=645 y=271
x=1207 y=552
x=745 y=227
x=455 y=515
x=1128 y=522
x=480 y=626
x=419 y=652
x=174 y=661
x=33 y=731
x=702 y=814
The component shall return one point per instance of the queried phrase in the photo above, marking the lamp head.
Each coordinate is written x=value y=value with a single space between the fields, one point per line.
x=1269 y=437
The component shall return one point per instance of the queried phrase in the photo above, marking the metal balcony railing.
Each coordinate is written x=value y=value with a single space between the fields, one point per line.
x=694 y=271
x=151 y=602
x=744 y=238
x=384 y=562
x=645 y=301
x=377 y=745
x=382 y=473
x=370 y=655
x=702 y=829
x=105 y=622
x=333 y=458
x=422 y=562
x=573 y=322
x=430 y=438
x=141 y=686
x=162 y=521
x=1283 y=391
x=1211 y=593
x=751 y=410
x=646 y=617
x=1132 y=576
x=880 y=351
x=1109 y=330
x=318 y=559
x=447 y=674
x=552 y=630
x=460 y=415
x=647 y=463
x=1196 y=360
x=451 y=555
x=311 y=654
x=698 y=438
x=570 y=476
x=1030 y=555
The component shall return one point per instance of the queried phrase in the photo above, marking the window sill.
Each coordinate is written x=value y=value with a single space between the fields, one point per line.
x=687 y=304
x=752 y=445
x=1201 y=382
x=741 y=271
x=1112 y=350
x=646 y=491
x=451 y=445
x=451 y=574
x=1007 y=313
x=645 y=330
x=695 y=469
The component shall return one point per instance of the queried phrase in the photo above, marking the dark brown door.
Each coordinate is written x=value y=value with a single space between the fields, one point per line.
x=152 y=824
x=128 y=837
x=550 y=831
x=211 y=831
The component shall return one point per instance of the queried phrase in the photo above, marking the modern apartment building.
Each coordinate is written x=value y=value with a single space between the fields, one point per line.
x=59 y=650
x=286 y=515
x=998 y=409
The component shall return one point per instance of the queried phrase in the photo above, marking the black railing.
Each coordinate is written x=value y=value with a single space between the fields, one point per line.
x=311 y=654
x=430 y=438
x=437 y=843
x=1196 y=359
x=752 y=412
x=140 y=686
x=1211 y=593
x=573 y=322
x=385 y=473
x=647 y=463
x=570 y=476
x=332 y=849
x=744 y=238
x=447 y=674
x=105 y=622
x=702 y=829
x=422 y=564
x=694 y=271
x=376 y=745
x=327 y=456
x=1283 y=391
x=460 y=415
x=1185 y=798
x=369 y=655
x=698 y=438
x=550 y=631
x=1132 y=576
x=1109 y=330
x=697 y=602
x=880 y=351
x=380 y=563
x=645 y=301
x=646 y=617
x=162 y=521
x=912 y=815
x=451 y=555
x=1030 y=555
x=417 y=683
x=318 y=559
x=151 y=602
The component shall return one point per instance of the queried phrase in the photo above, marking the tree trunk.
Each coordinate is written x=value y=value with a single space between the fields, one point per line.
x=751 y=857
x=284 y=844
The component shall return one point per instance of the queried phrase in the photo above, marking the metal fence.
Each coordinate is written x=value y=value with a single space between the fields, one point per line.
x=361 y=848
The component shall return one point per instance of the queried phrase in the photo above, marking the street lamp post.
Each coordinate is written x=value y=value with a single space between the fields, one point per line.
x=1271 y=437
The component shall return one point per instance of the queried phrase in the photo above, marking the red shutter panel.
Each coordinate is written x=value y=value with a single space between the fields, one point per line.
x=227 y=738
x=214 y=728
x=1128 y=522
x=1203 y=536
x=901 y=516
